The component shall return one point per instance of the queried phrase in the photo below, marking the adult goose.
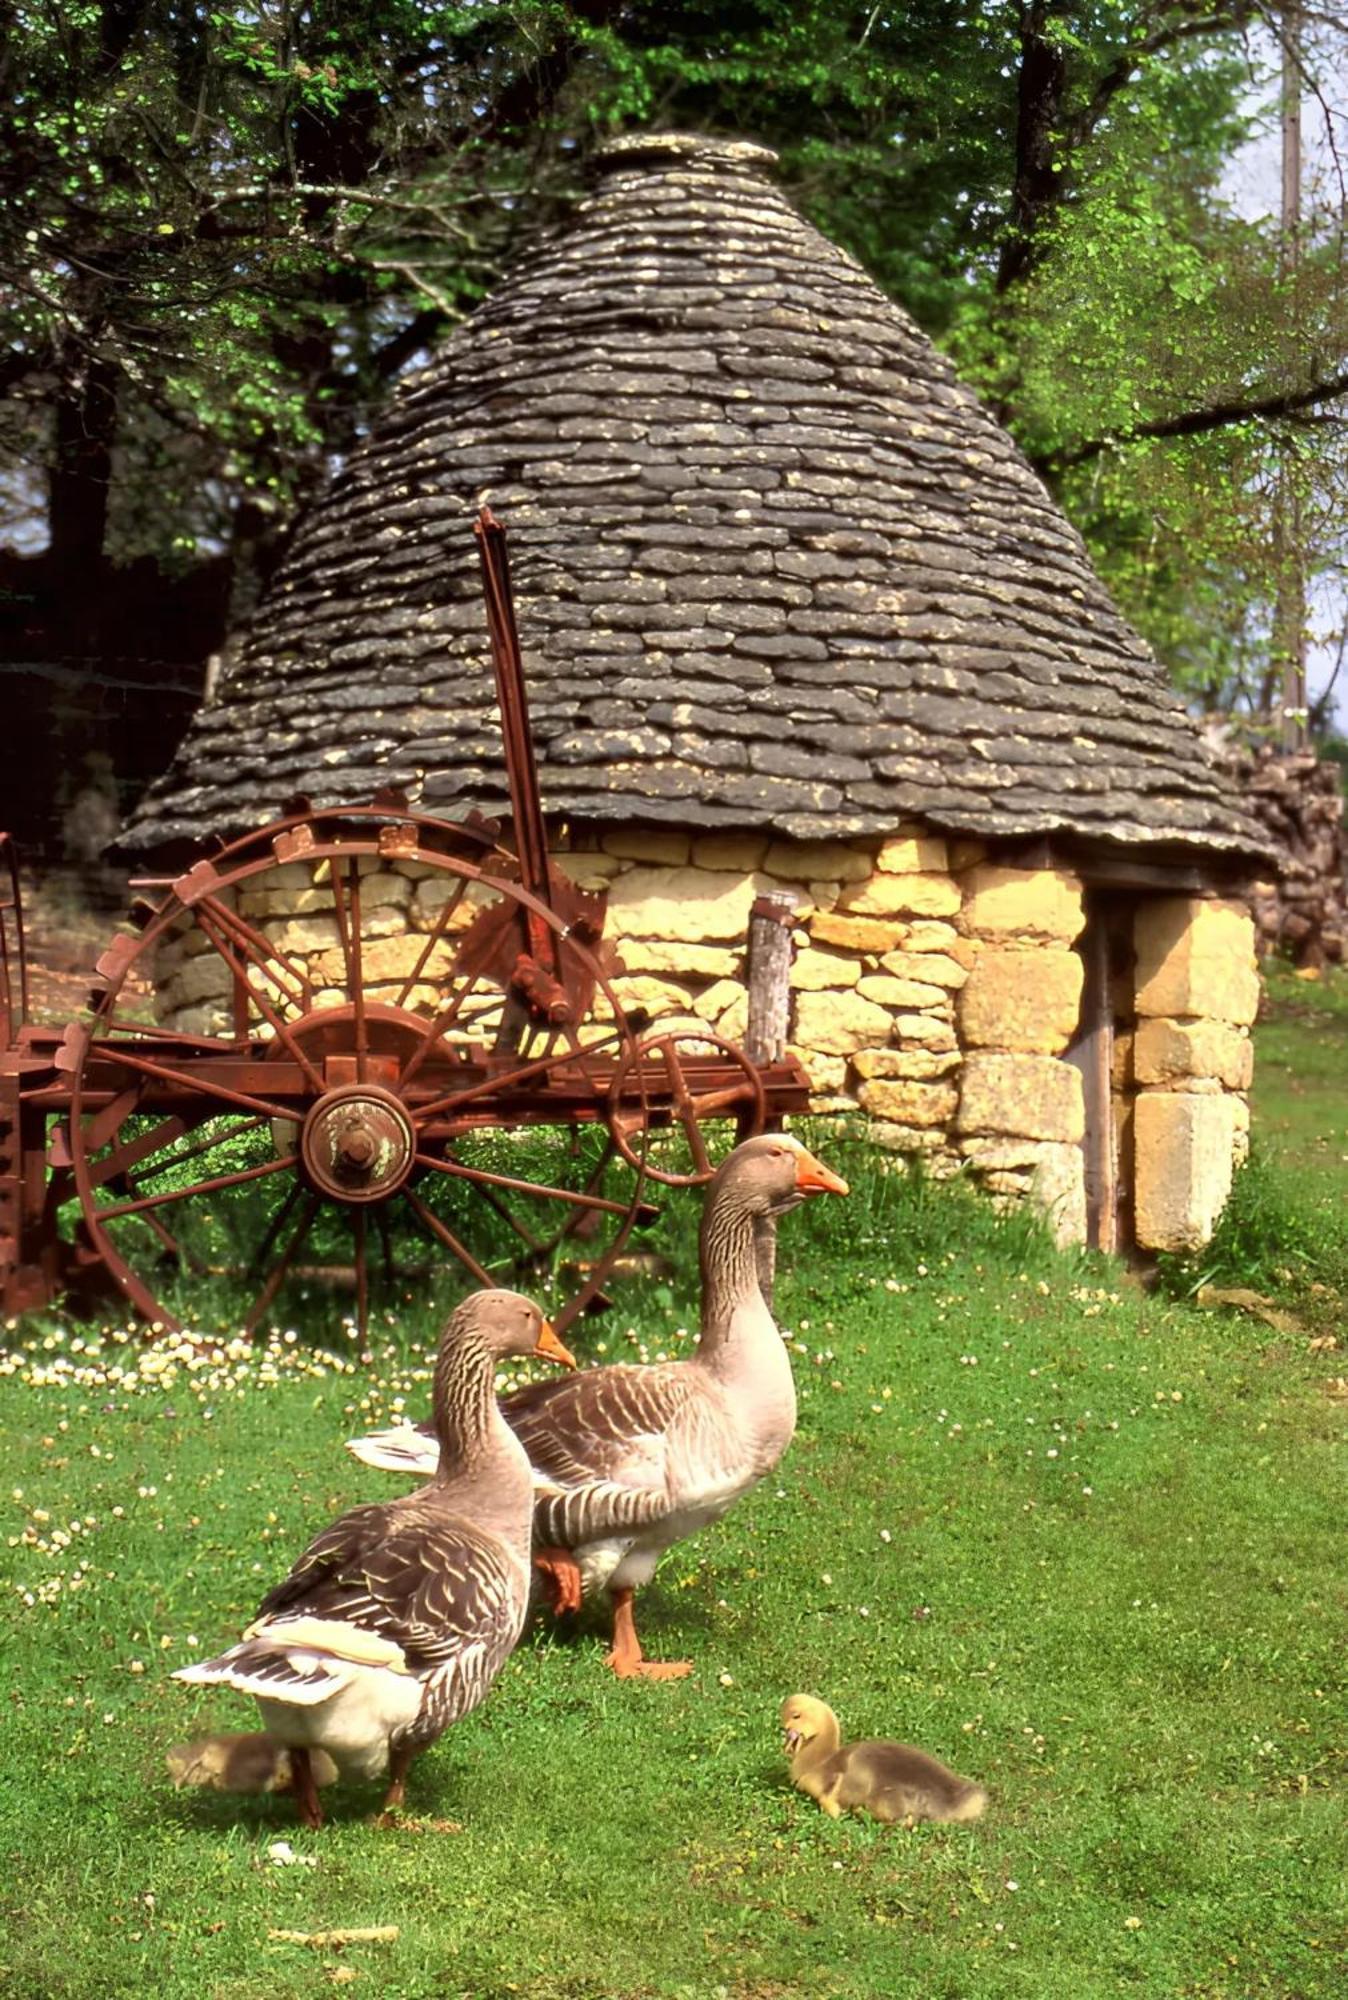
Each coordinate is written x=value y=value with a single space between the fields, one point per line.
x=630 y=1459
x=397 y=1619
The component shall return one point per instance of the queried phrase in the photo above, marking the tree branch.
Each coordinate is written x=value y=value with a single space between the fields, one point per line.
x=1195 y=423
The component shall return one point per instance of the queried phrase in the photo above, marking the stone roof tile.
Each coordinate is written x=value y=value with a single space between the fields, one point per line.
x=774 y=564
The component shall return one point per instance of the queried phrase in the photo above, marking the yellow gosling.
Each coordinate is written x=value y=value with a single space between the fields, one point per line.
x=890 y=1781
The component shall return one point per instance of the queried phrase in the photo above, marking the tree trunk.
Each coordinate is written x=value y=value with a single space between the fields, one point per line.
x=81 y=473
x=1038 y=184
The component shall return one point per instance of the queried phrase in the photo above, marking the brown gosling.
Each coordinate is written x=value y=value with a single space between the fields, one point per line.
x=252 y=1762
x=890 y=1781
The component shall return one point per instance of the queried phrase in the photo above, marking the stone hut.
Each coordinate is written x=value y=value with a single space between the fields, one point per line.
x=796 y=615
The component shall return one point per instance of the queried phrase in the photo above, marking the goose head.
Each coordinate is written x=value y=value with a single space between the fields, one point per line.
x=772 y=1173
x=804 y=1718
x=507 y=1323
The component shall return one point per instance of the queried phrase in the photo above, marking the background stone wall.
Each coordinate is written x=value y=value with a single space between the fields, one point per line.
x=1299 y=800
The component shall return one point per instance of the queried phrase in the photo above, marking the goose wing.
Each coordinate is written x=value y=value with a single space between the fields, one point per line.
x=438 y=1589
x=604 y=1442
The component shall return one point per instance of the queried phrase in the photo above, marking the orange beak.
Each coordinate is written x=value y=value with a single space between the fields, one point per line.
x=549 y=1348
x=813 y=1177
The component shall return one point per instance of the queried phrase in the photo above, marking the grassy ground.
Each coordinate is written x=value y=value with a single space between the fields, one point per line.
x=1083 y=1542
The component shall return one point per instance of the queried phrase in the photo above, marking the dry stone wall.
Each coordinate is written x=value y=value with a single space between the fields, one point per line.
x=934 y=987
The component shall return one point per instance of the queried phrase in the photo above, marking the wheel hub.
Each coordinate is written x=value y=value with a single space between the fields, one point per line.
x=357 y=1143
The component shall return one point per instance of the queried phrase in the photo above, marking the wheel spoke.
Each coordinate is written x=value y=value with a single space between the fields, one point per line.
x=283 y=1264
x=385 y=1242
x=258 y=1261
x=576 y=1197
x=441 y=925
x=130 y=1152
x=170 y=1195
x=431 y=1221
x=440 y=1026
x=263 y=1005
x=362 y=1276
x=290 y=980
x=346 y=904
x=204 y=1146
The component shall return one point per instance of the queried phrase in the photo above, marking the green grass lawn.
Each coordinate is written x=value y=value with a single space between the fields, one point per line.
x=1083 y=1542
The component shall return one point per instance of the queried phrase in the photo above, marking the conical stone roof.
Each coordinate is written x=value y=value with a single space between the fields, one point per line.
x=774 y=566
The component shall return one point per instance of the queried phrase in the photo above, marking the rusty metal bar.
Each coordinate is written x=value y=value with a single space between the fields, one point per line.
x=531 y=840
x=13 y=984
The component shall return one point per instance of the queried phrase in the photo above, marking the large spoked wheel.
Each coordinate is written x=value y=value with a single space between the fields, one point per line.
x=680 y=1101
x=354 y=1086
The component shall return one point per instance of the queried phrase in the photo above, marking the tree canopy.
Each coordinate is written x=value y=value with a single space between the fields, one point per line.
x=225 y=229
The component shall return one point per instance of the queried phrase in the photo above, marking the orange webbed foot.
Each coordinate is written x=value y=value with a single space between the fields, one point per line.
x=628 y=1669
x=561 y=1579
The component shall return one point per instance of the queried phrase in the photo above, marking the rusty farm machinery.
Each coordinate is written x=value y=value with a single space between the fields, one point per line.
x=478 y=1101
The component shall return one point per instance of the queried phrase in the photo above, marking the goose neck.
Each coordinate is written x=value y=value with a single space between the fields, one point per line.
x=729 y=1265
x=463 y=1404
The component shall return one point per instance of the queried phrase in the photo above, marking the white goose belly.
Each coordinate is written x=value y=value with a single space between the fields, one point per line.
x=705 y=1477
x=355 y=1725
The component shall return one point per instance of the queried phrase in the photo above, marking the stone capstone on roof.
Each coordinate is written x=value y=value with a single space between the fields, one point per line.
x=774 y=566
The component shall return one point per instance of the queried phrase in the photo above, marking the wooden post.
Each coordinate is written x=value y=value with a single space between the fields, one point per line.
x=769 y=976
x=768 y=971
x=1092 y=1052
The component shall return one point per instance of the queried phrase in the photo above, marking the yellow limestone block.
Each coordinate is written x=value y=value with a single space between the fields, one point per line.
x=812 y=970
x=909 y=1102
x=1174 y=1051
x=717 y=999
x=739 y=853
x=913 y=853
x=388 y=959
x=934 y=968
x=827 y=1074
x=888 y=991
x=839 y=1023
x=712 y=961
x=1022 y=902
x=646 y=844
x=1027 y=999
x=693 y=905
x=817 y=860
x=921 y=1065
x=857 y=933
x=907 y=895
x=1184 y=1147
x=1195 y=957
x=927 y=1031
x=1026 y=1096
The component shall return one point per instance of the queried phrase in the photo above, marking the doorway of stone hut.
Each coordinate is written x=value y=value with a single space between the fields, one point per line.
x=1102 y=1050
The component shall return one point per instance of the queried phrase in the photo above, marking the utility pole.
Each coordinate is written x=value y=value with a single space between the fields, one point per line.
x=1289 y=614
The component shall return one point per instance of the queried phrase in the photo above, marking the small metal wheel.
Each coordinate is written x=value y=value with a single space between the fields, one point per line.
x=675 y=1086
x=349 y=1055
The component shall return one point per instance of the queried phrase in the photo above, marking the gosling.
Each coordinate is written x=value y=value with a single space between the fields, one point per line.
x=254 y=1762
x=890 y=1781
